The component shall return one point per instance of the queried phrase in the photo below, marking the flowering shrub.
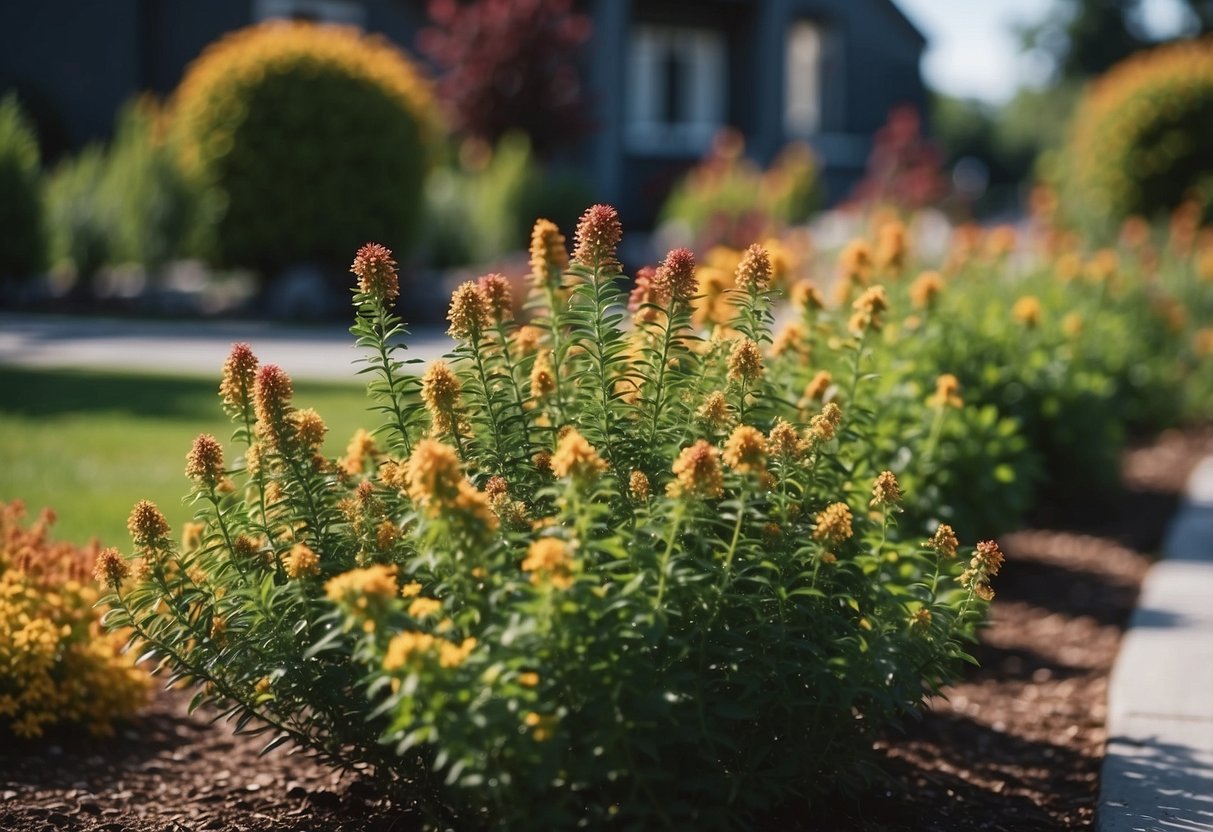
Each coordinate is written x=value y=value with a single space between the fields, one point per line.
x=345 y=113
x=1059 y=349
x=57 y=666
x=729 y=200
x=589 y=570
x=1140 y=137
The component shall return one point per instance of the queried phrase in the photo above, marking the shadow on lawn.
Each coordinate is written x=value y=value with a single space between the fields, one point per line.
x=42 y=393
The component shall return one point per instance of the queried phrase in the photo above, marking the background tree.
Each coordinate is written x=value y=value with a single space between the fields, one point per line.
x=510 y=65
x=1084 y=38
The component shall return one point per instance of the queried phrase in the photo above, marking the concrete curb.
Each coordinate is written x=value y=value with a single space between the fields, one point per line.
x=1158 y=767
x=320 y=353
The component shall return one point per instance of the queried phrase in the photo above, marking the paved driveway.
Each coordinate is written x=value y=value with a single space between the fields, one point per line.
x=322 y=352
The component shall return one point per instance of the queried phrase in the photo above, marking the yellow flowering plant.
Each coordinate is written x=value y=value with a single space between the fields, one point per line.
x=598 y=568
x=58 y=668
x=1014 y=365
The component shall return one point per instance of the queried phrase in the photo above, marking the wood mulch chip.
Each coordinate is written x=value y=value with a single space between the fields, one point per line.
x=1016 y=746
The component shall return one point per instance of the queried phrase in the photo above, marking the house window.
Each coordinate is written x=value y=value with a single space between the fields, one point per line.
x=802 y=80
x=676 y=89
x=317 y=11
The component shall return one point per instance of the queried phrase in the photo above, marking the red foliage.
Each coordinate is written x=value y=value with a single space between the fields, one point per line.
x=904 y=168
x=510 y=65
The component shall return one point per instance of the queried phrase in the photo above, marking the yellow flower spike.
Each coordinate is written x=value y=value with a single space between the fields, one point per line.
x=470 y=312
x=432 y=475
x=360 y=449
x=892 y=247
x=886 y=492
x=806 y=296
x=272 y=396
x=495 y=288
x=147 y=525
x=867 y=310
x=549 y=257
x=526 y=339
x=785 y=442
x=238 y=380
x=746 y=450
x=111 y=569
x=310 y=429
x=675 y=277
x=925 y=290
x=855 y=263
x=424 y=607
x=375 y=581
x=549 y=563
x=745 y=361
x=191 y=535
x=441 y=393
x=301 y=562
x=575 y=458
x=947 y=392
x=920 y=620
x=824 y=426
x=543 y=378
x=638 y=486
x=791 y=338
x=697 y=472
x=204 y=463
x=816 y=389
x=833 y=524
x=598 y=235
x=376 y=272
x=944 y=541
x=714 y=412
x=753 y=273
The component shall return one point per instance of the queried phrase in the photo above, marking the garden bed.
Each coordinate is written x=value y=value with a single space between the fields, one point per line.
x=1017 y=745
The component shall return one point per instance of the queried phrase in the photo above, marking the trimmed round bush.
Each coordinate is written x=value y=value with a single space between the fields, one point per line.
x=307 y=139
x=1142 y=136
x=22 y=238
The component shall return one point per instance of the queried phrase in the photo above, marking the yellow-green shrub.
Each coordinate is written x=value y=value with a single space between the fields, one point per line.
x=308 y=139
x=1142 y=137
x=727 y=199
x=57 y=666
x=22 y=235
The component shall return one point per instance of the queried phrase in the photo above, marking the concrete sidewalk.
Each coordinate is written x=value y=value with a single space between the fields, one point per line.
x=322 y=352
x=1158 y=769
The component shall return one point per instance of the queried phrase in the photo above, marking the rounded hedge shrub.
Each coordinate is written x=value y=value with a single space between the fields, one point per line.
x=1142 y=136
x=308 y=139
x=22 y=238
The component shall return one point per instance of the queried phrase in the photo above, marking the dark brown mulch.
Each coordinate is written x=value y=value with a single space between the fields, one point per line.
x=1016 y=746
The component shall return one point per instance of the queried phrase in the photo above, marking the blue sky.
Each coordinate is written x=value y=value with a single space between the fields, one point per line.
x=974 y=52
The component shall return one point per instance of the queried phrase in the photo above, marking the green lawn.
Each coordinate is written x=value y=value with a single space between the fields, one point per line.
x=89 y=444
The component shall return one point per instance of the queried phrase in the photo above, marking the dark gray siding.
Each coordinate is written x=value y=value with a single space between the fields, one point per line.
x=71 y=62
x=75 y=63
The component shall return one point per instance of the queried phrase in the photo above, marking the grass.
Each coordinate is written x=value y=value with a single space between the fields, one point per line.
x=89 y=444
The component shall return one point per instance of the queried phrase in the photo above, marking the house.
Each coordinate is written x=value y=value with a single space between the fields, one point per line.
x=664 y=75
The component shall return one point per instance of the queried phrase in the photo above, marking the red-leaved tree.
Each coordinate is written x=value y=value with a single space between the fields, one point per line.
x=510 y=65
